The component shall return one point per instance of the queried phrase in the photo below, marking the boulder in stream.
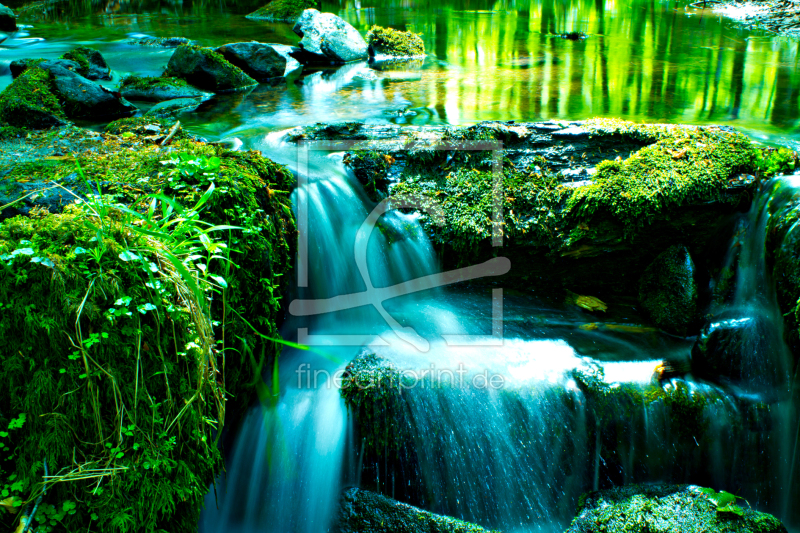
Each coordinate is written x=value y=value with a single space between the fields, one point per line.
x=667 y=508
x=31 y=102
x=260 y=61
x=396 y=43
x=208 y=70
x=8 y=20
x=668 y=290
x=282 y=10
x=18 y=66
x=158 y=89
x=328 y=39
x=91 y=64
x=365 y=511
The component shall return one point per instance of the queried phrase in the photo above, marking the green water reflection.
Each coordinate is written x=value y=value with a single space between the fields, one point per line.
x=643 y=60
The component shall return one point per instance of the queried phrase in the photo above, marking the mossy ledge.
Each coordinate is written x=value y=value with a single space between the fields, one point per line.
x=117 y=375
x=283 y=10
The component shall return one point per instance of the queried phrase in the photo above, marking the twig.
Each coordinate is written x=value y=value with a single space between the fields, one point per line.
x=172 y=131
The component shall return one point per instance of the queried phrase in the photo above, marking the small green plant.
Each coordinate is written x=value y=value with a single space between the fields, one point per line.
x=776 y=162
x=725 y=501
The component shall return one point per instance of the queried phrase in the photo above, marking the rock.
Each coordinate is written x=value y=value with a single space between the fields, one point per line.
x=91 y=64
x=206 y=69
x=282 y=10
x=152 y=89
x=85 y=99
x=259 y=61
x=329 y=39
x=8 y=20
x=744 y=349
x=163 y=42
x=292 y=64
x=363 y=510
x=174 y=108
x=663 y=508
x=31 y=102
x=668 y=290
x=18 y=66
x=391 y=42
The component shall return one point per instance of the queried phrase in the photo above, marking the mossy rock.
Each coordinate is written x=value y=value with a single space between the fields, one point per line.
x=18 y=66
x=665 y=508
x=283 y=10
x=105 y=354
x=365 y=511
x=668 y=290
x=158 y=89
x=206 y=69
x=91 y=63
x=391 y=42
x=31 y=102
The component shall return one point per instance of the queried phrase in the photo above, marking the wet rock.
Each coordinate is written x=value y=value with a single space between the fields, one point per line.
x=741 y=348
x=208 y=70
x=49 y=198
x=163 y=42
x=258 y=60
x=391 y=42
x=18 y=66
x=292 y=64
x=668 y=290
x=85 y=99
x=8 y=20
x=282 y=10
x=363 y=510
x=327 y=38
x=158 y=89
x=91 y=64
x=657 y=508
x=31 y=102
x=174 y=108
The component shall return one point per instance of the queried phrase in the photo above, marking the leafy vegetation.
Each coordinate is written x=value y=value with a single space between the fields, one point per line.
x=134 y=320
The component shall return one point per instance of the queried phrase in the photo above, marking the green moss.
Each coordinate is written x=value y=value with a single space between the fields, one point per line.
x=11 y=132
x=394 y=42
x=151 y=82
x=79 y=55
x=227 y=76
x=30 y=101
x=125 y=405
x=283 y=10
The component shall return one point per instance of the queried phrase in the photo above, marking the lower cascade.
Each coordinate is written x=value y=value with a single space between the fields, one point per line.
x=506 y=433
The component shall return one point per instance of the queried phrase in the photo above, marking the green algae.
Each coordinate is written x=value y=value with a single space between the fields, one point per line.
x=395 y=42
x=30 y=101
x=151 y=82
x=283 y=10
x=133 y=415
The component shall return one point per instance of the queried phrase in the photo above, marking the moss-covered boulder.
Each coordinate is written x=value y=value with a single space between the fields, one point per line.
x=123 y=357
x=18 y=66
x=91 y=63
x=8 y=20
x=207 y=69
x=283 y=10
x=260 y=61
x=83 y=99
x=158 y=89
x=396 y=43
x=364 y=511
x=668 y=290
x=668 y=508
x=31 y=102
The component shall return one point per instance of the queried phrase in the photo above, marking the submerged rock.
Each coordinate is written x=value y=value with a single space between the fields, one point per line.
x=91 y=64
x=668 y=290
x=174 y=108
x=391 y=42
x=365 y=511
x=260 y=61
x=328 y=39
x=282 y=10
x=8 y=20
x=666 y=508
x=163 y=42
x=206 y=69
x=158 y=89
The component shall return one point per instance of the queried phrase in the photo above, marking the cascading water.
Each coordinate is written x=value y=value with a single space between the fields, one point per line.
x=516 y=456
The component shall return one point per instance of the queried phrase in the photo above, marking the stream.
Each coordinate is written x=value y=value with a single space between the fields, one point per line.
x=516 y=457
